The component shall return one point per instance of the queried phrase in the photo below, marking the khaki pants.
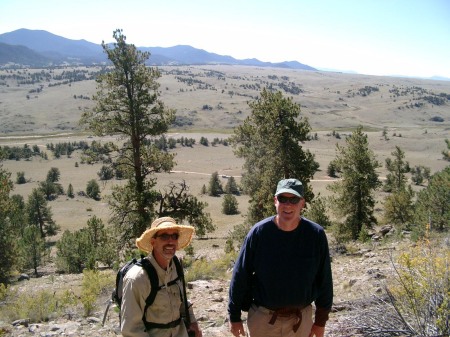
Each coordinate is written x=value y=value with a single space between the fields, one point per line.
x=258 y=323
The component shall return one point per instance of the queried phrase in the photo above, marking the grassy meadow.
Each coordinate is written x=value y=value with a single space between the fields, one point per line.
x=41 y=106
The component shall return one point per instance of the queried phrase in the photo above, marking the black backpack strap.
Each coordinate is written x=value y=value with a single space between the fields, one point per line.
x=154 y=282
x=155 y=287
x=178 y=267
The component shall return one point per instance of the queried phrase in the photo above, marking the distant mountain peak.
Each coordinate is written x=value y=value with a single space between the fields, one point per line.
x=57 y=49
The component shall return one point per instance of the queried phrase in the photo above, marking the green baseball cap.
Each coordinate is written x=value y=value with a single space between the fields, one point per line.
x=293 y=186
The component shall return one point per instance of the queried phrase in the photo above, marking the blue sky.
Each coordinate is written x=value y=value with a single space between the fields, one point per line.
x=378 y=37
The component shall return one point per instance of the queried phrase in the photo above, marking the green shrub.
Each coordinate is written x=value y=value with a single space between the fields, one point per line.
x=422 y=288
x=204 y=269
x=39 y=306
x=93 y=189
x=21 y=178
x=417 y=298
x=3 y=291
x=94 y=284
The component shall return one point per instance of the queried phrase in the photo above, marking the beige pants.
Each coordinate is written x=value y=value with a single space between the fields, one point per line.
x=258 y=323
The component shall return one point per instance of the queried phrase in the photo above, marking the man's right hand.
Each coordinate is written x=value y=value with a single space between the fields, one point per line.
x=237 y=329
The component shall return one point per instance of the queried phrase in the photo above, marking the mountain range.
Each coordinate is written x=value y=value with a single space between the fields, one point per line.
x=39 y=48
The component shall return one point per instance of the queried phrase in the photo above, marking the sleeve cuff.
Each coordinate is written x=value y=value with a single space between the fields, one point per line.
x=321 y=316
x=235 y=318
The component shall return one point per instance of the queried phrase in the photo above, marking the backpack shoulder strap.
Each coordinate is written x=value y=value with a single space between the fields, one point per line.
x=153 y=276
x=178 y=267
x=155 y=287
x=154 y=281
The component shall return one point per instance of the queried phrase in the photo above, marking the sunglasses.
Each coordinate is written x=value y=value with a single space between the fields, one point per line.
x=291 y=200
x=166 y=237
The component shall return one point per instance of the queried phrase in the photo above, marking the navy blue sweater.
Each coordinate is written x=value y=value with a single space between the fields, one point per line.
x=291 y=268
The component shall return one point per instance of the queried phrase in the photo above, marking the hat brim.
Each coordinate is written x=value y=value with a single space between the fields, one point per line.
x=185 y=236
x=288 y=190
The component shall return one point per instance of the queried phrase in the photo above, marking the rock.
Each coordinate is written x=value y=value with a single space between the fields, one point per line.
x=23 y=322
x=23 y=277
x=93 y=320
x=385 y=229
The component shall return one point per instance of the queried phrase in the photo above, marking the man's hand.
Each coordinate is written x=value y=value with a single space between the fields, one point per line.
x=194 y=327
x=237 y=329
x=317 y=331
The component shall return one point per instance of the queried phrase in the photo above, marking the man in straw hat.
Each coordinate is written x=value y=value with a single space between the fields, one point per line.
x=160 y=241
x=283 y=266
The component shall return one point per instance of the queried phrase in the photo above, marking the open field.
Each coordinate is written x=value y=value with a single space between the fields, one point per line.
x=210 y=101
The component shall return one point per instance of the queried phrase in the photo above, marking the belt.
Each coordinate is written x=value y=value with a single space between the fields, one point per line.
x=151 y=325
x=284 y=312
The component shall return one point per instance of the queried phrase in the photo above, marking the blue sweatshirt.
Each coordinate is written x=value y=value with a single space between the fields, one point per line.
x=283 y=269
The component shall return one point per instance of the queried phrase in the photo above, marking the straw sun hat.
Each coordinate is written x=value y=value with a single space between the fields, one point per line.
x=185 y=232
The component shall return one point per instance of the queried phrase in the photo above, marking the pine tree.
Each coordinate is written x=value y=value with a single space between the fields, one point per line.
x=317 y=211
x=33 y=248
x=270 y=140
x=40 y=214
x=93 y=189
x=446 y=152
x=231 y=186
x=353 y=197
x=230 y=205
x=8 y=237
x=128 y=104
x=215 y=186
x=70 y=192
x=397 y=168
x=399 y=208
x=432 y=205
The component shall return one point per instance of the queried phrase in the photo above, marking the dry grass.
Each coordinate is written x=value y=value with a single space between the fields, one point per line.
x=327 y=100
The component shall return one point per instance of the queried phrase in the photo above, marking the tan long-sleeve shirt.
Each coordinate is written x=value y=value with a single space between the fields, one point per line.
x=165 y=309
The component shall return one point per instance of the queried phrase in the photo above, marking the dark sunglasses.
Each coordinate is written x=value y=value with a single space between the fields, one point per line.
x=166 y=237
x=291 y=200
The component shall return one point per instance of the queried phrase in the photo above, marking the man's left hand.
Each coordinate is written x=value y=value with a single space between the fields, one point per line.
x=195 y=327
x=317 y=331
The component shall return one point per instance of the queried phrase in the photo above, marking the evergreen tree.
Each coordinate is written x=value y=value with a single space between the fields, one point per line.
x=53 y=175
x=70 y=192
x=215 y=186
x=230 y=205
x=399 y=208
x=204 y=141
x=432 y=205
x=419 y=174
x=270 y=142
x=48 y=189
x=332 y=170
x=18 y=216
x=317 y=211
x=231 y=186
x=446 y=152
x=20 y=178
x=397 y=168
x=8 y=237
x=128 y=104
x=93 y=189
x=73 y=250
x=353 y=197
x=33 y=248
x=106 y=172
x=40 y=214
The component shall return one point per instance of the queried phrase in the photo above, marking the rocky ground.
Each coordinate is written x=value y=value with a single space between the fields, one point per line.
x=357 y=275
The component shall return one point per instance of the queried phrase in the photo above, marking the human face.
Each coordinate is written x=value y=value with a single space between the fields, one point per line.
x=165 y=244
x=289 y=207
